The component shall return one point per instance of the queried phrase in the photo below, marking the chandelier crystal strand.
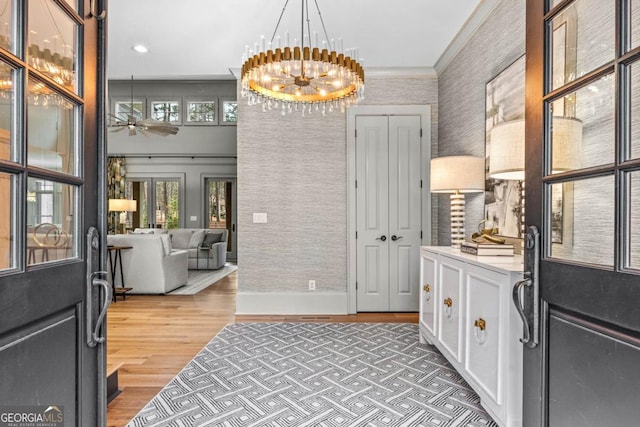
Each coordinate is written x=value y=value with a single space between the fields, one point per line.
x=324 y=78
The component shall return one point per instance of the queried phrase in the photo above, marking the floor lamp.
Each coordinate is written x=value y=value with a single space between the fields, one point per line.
x=457 y=175
x=123 y=206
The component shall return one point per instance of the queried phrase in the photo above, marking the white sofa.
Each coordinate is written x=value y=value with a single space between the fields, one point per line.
x=206 y=247
x=151 y=266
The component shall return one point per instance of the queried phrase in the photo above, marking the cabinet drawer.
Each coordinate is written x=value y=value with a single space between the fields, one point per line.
x=450 y=275
x=428 y=294
x=484 y=358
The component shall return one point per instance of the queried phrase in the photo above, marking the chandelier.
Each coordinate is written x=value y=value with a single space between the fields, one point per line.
x=302 y=77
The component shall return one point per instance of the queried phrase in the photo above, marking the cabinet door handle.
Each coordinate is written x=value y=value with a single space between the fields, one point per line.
x=448 y=302
x=427 y=290
x=480 y=330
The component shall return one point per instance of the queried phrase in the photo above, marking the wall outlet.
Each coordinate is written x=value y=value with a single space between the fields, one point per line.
x=312 y=285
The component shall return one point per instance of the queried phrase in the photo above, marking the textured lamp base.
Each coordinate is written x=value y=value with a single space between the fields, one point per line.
x=457 y=220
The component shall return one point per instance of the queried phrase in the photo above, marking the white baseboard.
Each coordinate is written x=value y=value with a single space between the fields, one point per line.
x=291 y=303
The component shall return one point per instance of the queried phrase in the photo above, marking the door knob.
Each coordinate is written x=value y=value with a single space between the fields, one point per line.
x=383 y=238
x=394 y=237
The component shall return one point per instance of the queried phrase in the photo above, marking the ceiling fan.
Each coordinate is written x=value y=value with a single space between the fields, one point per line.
x=129 y=121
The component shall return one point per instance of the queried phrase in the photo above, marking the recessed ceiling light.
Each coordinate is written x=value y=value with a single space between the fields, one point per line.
x=140 y=48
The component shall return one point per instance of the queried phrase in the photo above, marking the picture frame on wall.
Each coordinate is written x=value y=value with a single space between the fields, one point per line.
x=504 y=141
x=201 y=111
x=228 y=111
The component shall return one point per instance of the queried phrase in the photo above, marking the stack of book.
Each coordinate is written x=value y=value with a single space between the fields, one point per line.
x=489 y=249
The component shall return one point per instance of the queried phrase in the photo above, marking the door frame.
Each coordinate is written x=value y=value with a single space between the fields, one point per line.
x=231 y=255
x=424 y=111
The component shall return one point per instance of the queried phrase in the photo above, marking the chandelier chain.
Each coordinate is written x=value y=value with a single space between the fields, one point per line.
x=279 y=20
x=326 y=36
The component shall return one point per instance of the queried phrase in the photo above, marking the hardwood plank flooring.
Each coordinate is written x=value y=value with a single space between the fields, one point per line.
x=154 y=337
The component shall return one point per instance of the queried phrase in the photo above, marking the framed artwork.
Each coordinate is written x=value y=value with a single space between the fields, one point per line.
x=201 y=111
x=166 y=110
x=122 y=107
x=228 y=112
x=504 y=123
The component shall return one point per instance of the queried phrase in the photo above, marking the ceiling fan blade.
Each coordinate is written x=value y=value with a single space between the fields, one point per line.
x=118 y=129
x=162 y=131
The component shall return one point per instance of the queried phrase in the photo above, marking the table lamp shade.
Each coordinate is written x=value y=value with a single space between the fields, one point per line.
x=506 y=150
x=122 y=205
x=457 y=174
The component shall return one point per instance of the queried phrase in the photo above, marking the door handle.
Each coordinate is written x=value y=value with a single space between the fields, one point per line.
x=233 y=228
x=526 y=292
x=394 y=237
x=383 y=238
x=92 y=280
x=96 y=338
x=517 y=301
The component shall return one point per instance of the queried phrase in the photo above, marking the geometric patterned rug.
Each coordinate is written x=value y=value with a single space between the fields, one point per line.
x=316 y=374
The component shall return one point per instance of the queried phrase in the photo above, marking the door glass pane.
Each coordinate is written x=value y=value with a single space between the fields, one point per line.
x=634 y=222
x=167 y=204
x=219 y=205
x=74 y=4
x=7 y=40
x=635 y=109
x=7 y=221
x=138 y=191
x=582 y=39
x=7 y=109
x=582 y=127
x=51 y=212
x=582 y=220
x=51 y=130
x=52 y=43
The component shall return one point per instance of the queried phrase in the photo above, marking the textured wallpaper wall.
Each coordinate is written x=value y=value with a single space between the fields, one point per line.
x=498 y=42
x=295 y=169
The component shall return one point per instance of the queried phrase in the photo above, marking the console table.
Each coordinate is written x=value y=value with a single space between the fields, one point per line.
x=466 y=312
x=115 y=262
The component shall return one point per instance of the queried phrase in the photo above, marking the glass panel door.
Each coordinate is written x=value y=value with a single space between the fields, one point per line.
x=220 y=209
x=158 y=202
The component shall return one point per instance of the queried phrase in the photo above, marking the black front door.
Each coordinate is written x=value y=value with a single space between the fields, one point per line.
x=51 y=157
x=583 y=193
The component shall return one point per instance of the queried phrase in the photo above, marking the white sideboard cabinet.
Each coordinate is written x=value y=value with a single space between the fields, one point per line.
x=467 y=313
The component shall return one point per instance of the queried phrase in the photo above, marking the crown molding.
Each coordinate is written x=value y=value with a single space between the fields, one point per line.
x=470 y=26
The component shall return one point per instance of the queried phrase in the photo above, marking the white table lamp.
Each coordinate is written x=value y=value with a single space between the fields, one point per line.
x=457 y=175
x=123 y=206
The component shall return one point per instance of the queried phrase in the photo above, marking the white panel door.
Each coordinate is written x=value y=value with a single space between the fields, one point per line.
x=372 y=151
x=389 y=213
x=405 y=213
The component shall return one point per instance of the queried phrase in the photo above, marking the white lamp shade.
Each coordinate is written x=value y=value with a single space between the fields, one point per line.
x=451 y=174
x=506 y=150
x=122 y=205
x=566 y=139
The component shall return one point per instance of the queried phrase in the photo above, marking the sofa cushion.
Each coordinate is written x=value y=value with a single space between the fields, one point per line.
x=211 y=238
x=181 y=237
x=166 y=243
x=196 y=239
x=150 y=231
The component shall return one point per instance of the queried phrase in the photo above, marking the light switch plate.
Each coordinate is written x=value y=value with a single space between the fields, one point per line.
x=194 y=218
x=259 y=218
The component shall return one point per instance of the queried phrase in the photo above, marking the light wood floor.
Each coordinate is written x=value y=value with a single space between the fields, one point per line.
x=154 y=337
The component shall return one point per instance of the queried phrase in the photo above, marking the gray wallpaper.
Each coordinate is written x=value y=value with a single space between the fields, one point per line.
x=295 y=169
x=498 y=42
